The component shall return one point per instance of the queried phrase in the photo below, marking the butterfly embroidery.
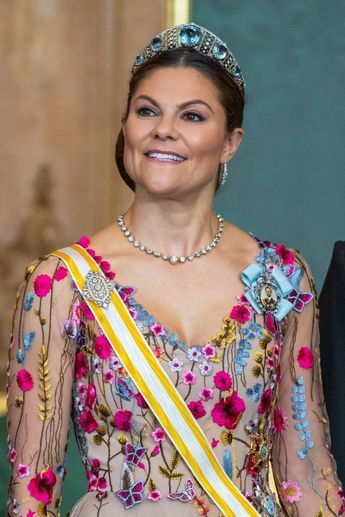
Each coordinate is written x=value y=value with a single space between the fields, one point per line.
x=134 y=454
x=261 y=243
x=122 y=388
x=187 y=495
x=299 y=299
x=132 y=496
x=125 y=292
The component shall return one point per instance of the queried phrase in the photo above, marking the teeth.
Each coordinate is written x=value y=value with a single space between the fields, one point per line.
x=166 y=156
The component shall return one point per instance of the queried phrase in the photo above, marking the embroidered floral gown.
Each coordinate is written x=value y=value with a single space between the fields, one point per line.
x=254 y=389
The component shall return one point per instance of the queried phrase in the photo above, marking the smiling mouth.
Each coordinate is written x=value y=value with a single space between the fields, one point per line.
x=165 y=157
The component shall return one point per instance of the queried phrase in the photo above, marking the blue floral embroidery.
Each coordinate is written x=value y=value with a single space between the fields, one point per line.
x=299 y=406
x=269 y=505
x=28 y=340
x=227 y=463
x=255 y=392
x=20 y=356
x=244 y=346
x=29 y=298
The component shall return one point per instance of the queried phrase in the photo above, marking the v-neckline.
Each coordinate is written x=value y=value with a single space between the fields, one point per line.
x=172 y=337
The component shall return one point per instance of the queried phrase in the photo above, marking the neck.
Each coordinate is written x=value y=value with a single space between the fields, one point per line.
x=170 y=227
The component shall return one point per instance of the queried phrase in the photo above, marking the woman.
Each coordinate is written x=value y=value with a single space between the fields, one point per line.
x=194 y=345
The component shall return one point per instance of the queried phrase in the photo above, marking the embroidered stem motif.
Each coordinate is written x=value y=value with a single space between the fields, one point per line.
x=46 y=411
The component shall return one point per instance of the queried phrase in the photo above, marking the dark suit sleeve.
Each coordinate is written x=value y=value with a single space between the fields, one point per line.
x=332 y=349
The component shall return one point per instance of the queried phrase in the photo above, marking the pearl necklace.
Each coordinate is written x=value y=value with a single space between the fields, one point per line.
x=173 y=259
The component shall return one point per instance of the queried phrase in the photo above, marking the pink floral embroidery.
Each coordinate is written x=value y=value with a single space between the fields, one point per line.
x=290 y=491
x=105 y=266
x=214 y=443
x=222 y=381
x=87 y=421
x=133 y=313
x=206 y=394
x=189 y=378
x=228 y=411
x=141 y=401
x=197 y=409
x=159 y=352
x=24 y=380
x=305 y=357
x=80 y=365
x=158 y=435
x=91 y=395
x=280 y=421
x=156 y=450
x=242 y=299
x=102 y=483
x=85 y=311
x=154 y=495
x=102 y=347
x=60 y=273
x=41 y=486
x=209 y=351
x=12 y=455
x=157 y=329
x=265 y=402
x=109 y=376
x=240 y=313
x=42 y=285
x=84 y=241
x=286 y=255
x=122 y=420
x=23 y=471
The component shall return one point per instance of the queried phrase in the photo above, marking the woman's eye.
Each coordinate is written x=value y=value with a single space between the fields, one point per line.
x=194 y=117
x=145 y=111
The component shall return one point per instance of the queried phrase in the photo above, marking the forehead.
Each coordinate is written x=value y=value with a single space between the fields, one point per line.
x=178 y=84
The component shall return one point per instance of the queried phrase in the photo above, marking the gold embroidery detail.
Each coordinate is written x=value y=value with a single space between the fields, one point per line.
x=226 y=437
x=122 y=439
x=259 y=356
x=256 y=370
x=46 y=411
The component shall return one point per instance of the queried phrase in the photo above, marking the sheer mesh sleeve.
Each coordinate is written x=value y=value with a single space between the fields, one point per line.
x=303 y=466
x=40 y=376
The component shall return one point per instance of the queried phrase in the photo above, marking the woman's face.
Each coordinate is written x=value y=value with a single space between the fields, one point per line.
x=175 y=133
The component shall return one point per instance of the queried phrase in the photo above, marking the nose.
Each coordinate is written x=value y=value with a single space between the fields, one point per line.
x=165 y=127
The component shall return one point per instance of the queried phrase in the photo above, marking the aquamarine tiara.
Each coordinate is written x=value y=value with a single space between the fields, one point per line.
x=193 y=36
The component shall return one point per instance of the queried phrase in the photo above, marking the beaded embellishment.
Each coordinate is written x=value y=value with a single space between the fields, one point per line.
x=97 y=288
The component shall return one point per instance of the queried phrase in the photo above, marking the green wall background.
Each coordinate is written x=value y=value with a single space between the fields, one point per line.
x=287 y=182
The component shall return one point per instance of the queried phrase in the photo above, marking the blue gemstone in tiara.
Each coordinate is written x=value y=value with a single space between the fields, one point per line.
x=190 y=35
x=219 y=51
x=156 y=44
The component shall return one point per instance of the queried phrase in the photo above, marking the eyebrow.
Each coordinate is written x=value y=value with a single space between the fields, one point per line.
x=180 y=106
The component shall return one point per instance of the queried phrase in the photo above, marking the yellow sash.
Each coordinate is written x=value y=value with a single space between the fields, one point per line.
x=155 y=385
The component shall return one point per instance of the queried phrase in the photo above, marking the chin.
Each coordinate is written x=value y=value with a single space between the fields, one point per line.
x=159 y=185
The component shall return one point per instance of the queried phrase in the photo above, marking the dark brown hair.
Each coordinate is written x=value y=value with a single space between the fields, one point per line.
x=230 y=95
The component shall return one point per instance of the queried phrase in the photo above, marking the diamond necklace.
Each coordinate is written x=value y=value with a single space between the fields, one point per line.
x=173 y=259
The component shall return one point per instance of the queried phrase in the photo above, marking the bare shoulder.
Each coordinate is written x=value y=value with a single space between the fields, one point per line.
x=238 y=243
x=107 y=241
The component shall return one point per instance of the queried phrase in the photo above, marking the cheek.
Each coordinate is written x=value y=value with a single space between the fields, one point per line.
x=206 y=143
